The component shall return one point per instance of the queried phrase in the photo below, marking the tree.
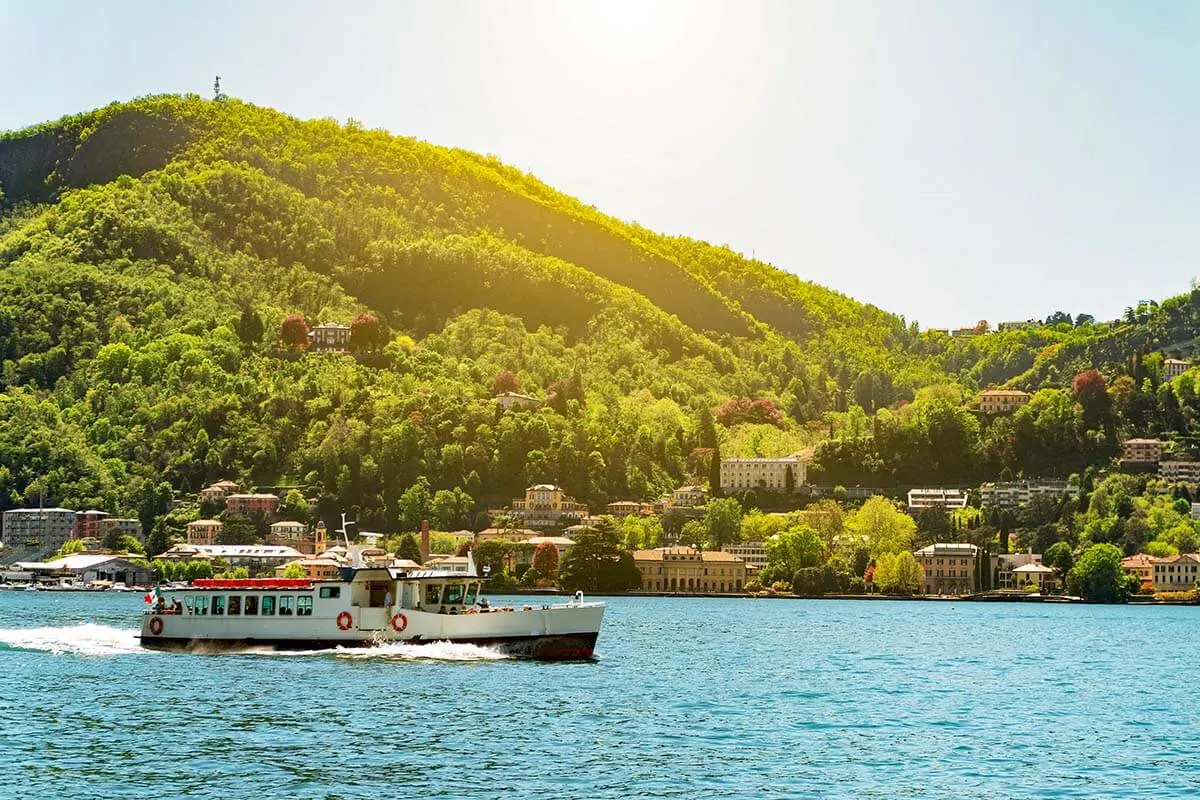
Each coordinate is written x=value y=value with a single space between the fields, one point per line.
x=293 y=570
x=1059 y=557
x=714 y=472
x=798 y=547
x=294 y=331
x=492 y=556
x=673 y=520
x=296 y=505
x=1090 y=390
x=722 y=522
x=789 y=480
x=366 y=333
x=450 y=509
x=153 y=500
x=409 y=548
x=545 y=560
x=414 y=504
x=898 y=573
x=744 y=410
x=884 y=527
x=250 y=326
x=933 y=524
x=596 y=563
x=505 y=381
x=129 y=544
x=1098 y=575
x=237 y=529
x=706 y=430
x=70 y=546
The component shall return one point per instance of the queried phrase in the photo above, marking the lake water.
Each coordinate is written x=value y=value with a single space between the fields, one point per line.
x=687 y=698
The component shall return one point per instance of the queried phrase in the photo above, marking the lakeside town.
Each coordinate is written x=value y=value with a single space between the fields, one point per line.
x=930 y=541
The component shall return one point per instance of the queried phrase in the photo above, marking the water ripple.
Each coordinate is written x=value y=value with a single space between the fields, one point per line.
x=690 y=698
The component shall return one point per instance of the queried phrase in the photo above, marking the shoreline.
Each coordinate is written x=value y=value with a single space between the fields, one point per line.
x=975 y=598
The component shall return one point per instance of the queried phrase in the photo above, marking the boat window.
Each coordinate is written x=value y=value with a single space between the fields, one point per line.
x=218 y=605
x=433 y=593
x=235 y=605
x=454 y=594
x=472 y=590
x=250 y=607
x=268 y=606
x=188 y=601
x=330 y=591
x=304 y=605
x=286 y=604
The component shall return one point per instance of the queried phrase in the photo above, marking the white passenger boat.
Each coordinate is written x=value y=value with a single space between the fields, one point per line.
x=368 y=605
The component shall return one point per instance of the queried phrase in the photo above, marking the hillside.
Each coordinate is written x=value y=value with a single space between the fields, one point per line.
x=134 y=238
x=141 y=243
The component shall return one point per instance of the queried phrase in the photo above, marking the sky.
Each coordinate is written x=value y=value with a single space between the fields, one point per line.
x=945 y=160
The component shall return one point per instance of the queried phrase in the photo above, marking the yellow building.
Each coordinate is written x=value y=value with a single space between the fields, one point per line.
x=1142 y=451
x=1177 y=573
x=315 y=569
x=296 y=534
x=950 y=567
x=203 y=531
x=683 y=569
x=1001 y=401
x=1141 y=565
x=770 y=474
x=545 y=506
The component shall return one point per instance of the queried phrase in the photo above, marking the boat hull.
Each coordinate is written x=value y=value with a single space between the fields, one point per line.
x=549 y=647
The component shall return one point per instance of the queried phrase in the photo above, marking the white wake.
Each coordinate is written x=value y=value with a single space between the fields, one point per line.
x=401 y=651
x=87 y=639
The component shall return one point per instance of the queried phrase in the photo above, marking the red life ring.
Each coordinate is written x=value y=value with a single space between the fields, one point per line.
x=156 y=625
x=399 y=622
x=344 y=621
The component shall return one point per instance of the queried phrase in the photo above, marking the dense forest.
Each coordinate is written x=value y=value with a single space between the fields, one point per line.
x=154 y=253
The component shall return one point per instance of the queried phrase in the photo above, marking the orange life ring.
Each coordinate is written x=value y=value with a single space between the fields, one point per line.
x=156 y=625
x=344 y=621
x=399 y=622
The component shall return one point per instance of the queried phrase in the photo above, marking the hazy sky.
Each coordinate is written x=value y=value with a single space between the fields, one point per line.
x=949 y=161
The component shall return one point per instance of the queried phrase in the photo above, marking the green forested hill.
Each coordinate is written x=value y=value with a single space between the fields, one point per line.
x=134 y=238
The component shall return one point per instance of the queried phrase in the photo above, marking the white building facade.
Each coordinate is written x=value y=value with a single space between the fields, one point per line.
x=44 y=528
x=769 y=474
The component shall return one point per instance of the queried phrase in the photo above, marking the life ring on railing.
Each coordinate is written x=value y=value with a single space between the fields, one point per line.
x=399 y=622
x=344 y=621
x=156 y=625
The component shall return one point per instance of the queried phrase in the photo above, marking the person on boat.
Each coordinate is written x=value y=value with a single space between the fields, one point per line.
x=387 y=599
x=177 y=607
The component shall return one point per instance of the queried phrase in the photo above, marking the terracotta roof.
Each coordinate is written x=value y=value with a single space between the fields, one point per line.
x=705 y=555
x=1189 y=557
x=1139 y=560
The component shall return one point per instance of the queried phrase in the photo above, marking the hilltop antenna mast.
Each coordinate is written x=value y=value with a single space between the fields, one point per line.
x=217 y=89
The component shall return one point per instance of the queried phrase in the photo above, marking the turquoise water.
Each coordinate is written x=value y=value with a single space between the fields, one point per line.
x=687 y=698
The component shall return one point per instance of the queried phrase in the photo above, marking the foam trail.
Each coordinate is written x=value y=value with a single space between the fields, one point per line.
x=399 y=651
x=87 y=639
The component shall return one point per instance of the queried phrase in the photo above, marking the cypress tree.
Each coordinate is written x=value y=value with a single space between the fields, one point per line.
x=714 y=472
